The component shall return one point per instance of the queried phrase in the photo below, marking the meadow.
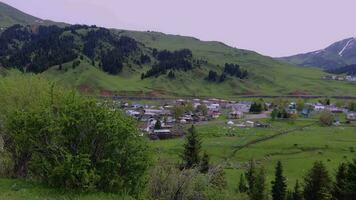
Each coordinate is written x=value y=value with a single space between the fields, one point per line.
x=297 y=150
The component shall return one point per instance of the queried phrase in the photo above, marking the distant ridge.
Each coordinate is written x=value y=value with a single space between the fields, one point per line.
x=337 y=55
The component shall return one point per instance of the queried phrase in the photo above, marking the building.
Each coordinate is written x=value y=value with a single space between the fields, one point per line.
x=235 y=115
x=351 y=116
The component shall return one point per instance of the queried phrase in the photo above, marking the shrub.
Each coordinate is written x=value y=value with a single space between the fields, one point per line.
x=326 y=118
x=73 y=142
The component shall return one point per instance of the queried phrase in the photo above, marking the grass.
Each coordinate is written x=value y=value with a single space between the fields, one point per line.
x=297 y=150
x=22 y=190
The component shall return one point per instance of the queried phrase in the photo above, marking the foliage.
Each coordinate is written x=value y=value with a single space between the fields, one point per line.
x=192 y=148
x=234 y=70
x=212 y=76
x=158 y=125
x=256 y=108
x=317 y=183
x=73 y=142
x=339 y=186
x=167 y=60
x=205 y=163
x=242 y=184
x=279 y=185
x=38 y=49
x=326 y=118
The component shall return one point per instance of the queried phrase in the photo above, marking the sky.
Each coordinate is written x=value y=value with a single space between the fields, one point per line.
x=271 y=27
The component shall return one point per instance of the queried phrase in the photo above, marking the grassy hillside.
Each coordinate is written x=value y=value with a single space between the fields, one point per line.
x=10 y=16
x=268 y=77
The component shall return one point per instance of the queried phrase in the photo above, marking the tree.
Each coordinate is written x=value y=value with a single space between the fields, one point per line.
x=279 y=185
x=217 y=179
x=297 y=193
x=212 y=76
x=300 y=105
x=158 y=125
x=350 y=188
x=192 y=148
x=202 y=109
x=339 y=186
x=274 y=114
x=251 y=176
x=317 y=183
x=242 y=184
x=171 y=75
x=178 y=111
x=204 y=164
x=326 y=118
x=258 y=191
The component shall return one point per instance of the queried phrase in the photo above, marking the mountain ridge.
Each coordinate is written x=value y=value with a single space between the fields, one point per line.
x=338 y=54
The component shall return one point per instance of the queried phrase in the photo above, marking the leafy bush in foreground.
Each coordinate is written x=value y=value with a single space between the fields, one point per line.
x=73 y=142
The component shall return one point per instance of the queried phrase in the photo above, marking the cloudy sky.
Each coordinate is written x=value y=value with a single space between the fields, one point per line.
x=270 y=27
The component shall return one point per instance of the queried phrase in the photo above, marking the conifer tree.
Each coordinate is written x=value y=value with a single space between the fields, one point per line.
x=297 y=193
x=192 y=148
x=350 y=191
x=258 y=191
x=339 y=186
x=251 y=176
x=204 y=164
x=279 y=185
x=317 y=183
x=242 y=184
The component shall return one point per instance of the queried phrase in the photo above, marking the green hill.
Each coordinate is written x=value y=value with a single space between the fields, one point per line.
x=10 y=16
x=267 y=76
x=98 y=60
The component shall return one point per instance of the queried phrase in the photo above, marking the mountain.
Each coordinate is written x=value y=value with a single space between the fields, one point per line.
x=337 y=55
x=110 y=61
x=349 y=70
x=10 y=16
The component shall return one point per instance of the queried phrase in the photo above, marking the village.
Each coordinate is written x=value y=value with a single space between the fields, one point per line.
x=166 y=119
x=347 y=78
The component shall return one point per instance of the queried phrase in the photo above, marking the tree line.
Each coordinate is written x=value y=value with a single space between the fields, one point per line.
x=36 y=49
x=233 y=70
x=170 y=61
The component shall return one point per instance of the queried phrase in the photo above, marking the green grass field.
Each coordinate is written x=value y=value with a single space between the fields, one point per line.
x=297 y=150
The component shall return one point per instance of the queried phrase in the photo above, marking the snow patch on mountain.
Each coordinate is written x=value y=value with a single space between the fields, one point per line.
x=345 y=47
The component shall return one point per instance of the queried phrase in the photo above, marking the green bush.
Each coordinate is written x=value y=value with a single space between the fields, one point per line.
x=74 y=142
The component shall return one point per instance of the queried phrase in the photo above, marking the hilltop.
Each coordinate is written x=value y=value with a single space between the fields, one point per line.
x=10 y=16
x=109 y=61
x=337 y=55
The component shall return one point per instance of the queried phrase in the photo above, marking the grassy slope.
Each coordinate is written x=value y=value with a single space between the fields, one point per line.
x=269 y=77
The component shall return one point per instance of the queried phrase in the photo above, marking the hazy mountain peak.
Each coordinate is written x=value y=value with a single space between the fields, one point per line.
x=336 y=55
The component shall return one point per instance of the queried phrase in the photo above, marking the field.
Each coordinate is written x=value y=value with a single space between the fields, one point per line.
x=297 y=149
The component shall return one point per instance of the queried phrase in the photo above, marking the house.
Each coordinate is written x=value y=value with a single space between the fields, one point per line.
x=319 y=107
x=351 y=116
x=243 y=107
x=250 y=124
x=230 y=123
x=235 y=115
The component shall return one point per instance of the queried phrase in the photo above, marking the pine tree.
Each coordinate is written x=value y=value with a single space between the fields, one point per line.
x=279 y=185
x=339 y=186
x=317 y=183
x=158 y=125
x=242 y=184
x=251 y=176
x=297 y=193
x=258 y=191
x=218 y=178
x=192 y=149
x=204 y=164
x=350 y=193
